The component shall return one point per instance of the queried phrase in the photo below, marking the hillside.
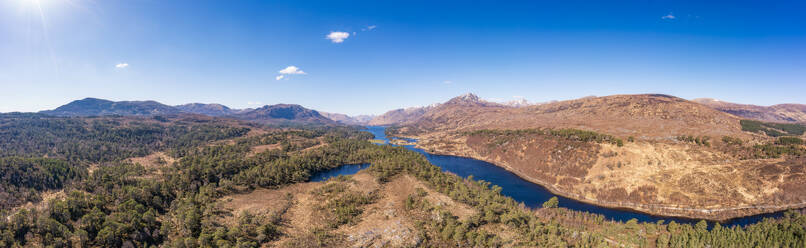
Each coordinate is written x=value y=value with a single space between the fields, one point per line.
x=641 y=116
x=101 y=107
x=774 y=113
x=654 y=153
x=284 y=114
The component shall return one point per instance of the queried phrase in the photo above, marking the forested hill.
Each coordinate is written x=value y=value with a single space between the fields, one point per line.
x=104 y=139
x=40 y=152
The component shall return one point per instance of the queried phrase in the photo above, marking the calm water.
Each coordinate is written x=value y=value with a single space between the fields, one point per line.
x=347 y=169
x=530 y=194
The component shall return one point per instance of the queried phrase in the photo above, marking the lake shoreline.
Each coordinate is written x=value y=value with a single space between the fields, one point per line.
x=644 y=210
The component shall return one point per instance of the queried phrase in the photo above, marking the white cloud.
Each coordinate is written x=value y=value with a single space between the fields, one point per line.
x=519 y=97
x=122 y=65
x=288 y=71
x=254 y=103
x=370 y=27
x=447 y=82
x=292 y=70
x=338 y=37
x=669 y=17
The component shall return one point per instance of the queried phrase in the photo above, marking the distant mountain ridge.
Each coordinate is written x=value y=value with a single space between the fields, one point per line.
x=458 y=111
x=647 y=115
x=617 y=113
x=212 y=109
x=269 y=114
x=284 y=114
x=399 y=116
x=412 y=114
x=98 y=107
x=349 y=120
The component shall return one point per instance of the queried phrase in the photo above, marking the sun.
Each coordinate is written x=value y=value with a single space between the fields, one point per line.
x=39 y=4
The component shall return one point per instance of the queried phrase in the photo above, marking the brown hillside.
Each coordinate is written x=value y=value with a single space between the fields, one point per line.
x=774 y=113
x=642 y=116
x=658 y=177
x=657 y=161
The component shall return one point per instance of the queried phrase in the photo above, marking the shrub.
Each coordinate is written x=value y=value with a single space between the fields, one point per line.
x=731 y=140
x=789 y=141
x=553 y=202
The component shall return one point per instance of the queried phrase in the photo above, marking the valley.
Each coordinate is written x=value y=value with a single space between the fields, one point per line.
x=124 y=174
x=402 y=124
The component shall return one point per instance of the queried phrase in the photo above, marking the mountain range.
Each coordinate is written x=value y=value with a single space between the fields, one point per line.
x=648 y=115
x=787 y=113
x=349 y=120
x=99 y=107
x=211 y=109
x=469 y=108
x=269 y=114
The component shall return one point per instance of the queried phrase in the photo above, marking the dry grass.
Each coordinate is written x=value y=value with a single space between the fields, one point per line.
x=263 y=148
x=153 y=161
x=383 y=223
x=264 y=202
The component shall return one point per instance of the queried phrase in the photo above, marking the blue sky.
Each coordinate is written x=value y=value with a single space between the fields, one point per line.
x=416 y=53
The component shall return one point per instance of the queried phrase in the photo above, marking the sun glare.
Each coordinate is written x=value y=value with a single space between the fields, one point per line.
x=33 y=2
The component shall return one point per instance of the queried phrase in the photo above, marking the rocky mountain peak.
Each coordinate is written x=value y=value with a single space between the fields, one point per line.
x=465 y=99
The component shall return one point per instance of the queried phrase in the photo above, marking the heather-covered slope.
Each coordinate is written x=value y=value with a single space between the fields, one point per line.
x=641 y=116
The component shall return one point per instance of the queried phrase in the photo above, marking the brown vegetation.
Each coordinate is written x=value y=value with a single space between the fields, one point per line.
x=384 y=222
x=644 y=117
x=774 y=113
x=680 y=157
x=666 y=178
